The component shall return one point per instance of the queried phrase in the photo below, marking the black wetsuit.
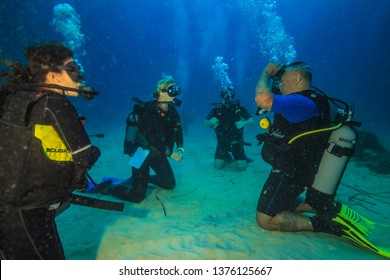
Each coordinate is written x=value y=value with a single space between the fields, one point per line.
x=229 y=137
x=159 y=131
x=36 y=178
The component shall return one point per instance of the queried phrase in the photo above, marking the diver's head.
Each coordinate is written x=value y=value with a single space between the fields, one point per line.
x=295 y=77
x=46 y=57
x=53 y=63
x=227 y=95
x=166 y=92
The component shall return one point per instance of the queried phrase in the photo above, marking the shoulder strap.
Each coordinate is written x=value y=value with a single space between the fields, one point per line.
x=322 y=102
x=18 y=106
x=138 y=108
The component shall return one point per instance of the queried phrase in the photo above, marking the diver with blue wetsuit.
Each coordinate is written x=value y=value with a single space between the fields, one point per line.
x=297 y=109
x=307 y=151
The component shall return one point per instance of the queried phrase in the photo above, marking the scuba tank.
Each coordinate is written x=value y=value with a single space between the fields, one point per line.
x=338 y=151
x=334 y=161
x=340 y=148
x=130 y=142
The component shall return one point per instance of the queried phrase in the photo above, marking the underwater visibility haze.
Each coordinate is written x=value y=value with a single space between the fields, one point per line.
x=126 y=46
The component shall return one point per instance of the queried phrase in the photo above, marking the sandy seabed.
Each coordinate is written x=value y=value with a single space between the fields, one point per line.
x=211 y=213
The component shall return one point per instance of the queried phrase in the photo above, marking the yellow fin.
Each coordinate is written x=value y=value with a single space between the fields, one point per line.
x=362 y=223
x=356 y=235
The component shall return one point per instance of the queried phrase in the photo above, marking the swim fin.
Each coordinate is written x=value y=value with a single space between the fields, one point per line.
x=104 y=187
x=357 y=234
x=363 y=224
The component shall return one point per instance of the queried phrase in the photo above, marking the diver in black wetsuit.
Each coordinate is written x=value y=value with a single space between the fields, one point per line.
x=44 y=150
x=154 y=126
x=228 y=119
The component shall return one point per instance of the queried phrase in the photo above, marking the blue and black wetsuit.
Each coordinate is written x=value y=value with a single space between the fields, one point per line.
x=293 y=165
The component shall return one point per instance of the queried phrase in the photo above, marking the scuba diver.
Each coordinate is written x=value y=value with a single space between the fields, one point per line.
x=228 y=119
x=307 y=153
x=44 y=149
x=153 y=128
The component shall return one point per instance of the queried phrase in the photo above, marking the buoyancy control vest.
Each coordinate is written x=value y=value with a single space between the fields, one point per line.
x=330 y=158
x=147 y=126
x=228 y=115
x=35 y=167
x=301 y=158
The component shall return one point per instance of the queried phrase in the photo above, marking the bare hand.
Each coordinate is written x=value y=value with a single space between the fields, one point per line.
x=272 y=69
x=214 y=122
x=240 y=124
x=177 y=156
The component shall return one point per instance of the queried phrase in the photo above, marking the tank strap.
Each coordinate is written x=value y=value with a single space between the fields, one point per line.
x=339 y=151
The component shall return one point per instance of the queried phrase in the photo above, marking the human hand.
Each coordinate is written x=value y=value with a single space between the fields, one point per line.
x=273 y=68
x=240 y=124
x=178 y=155
x=214 y=122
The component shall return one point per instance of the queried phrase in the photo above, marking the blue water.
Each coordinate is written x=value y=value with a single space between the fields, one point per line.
x=125 y=47
x=129 y=44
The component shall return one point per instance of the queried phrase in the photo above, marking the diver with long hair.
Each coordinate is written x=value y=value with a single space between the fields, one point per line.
x=44 y=149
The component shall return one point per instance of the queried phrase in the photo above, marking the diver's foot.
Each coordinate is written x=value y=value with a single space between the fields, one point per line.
x=104 y=187
x=326 y=225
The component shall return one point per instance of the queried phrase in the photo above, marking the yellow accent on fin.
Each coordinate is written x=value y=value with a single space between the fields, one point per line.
x=354 y=234
x=362 y=223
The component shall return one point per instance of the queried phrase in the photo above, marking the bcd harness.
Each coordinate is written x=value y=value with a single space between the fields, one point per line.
x=343 y=117
x=16 y=122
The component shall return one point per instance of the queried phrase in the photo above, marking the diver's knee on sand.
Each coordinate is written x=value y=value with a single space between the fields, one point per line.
x=219 y=163
x=264 y=221
x=240 y=165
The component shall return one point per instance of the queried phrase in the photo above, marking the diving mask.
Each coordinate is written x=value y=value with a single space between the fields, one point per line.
x=227 y=95
x=73 y=70
x=172 y=90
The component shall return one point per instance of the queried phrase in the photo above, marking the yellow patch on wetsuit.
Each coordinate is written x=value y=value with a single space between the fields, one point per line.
x=52 y=144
